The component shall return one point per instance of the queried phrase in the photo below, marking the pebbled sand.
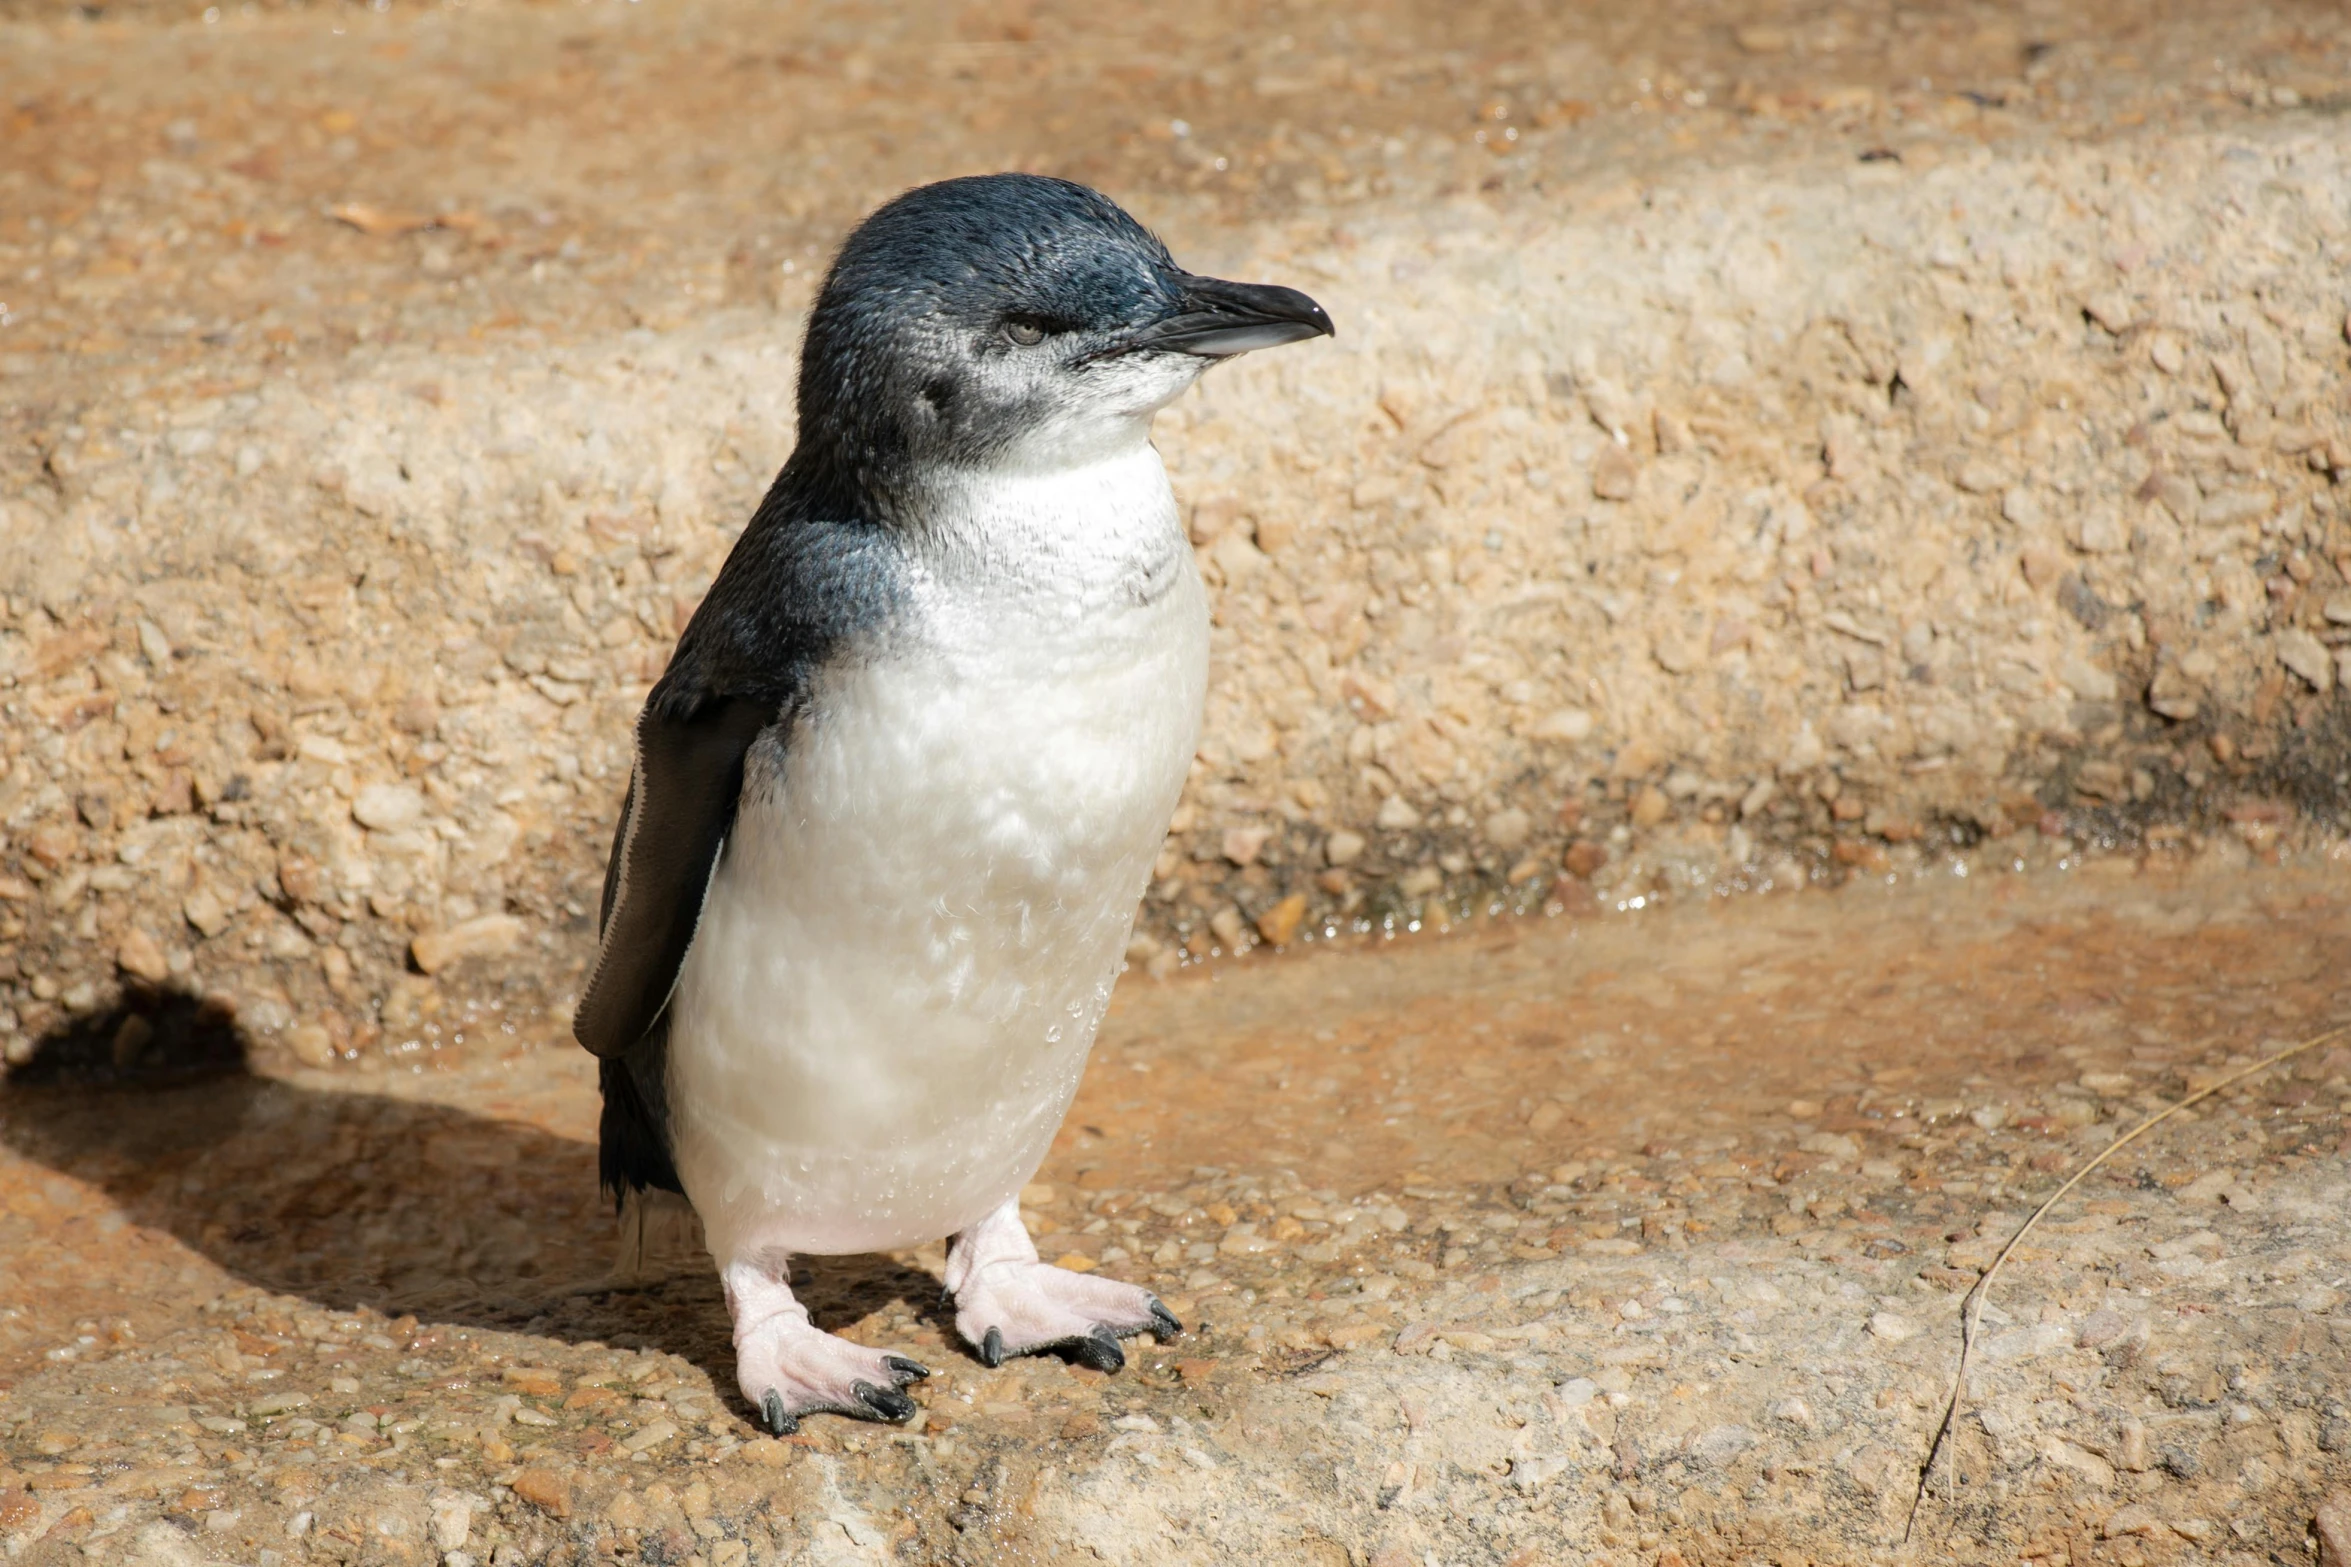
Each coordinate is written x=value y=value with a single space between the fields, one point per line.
x=1578 y=1239
x=1820 y=448
x=1810 y=448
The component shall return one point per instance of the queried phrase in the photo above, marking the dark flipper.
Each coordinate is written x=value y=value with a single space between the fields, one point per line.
x=680 y=806
x=681 y=803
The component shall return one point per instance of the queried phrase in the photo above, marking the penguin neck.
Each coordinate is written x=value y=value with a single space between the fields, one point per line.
x=1093 y=524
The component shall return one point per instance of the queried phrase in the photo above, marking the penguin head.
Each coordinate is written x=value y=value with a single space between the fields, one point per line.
x=1013 y=321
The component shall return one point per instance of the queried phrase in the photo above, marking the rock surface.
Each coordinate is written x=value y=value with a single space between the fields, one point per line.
x=1761 y=451
x=1628 y=1241
x=1748 y=457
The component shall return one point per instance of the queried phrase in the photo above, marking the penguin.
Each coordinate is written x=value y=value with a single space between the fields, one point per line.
x=897 y=795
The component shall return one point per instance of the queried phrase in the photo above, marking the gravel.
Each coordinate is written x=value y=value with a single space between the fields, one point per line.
x=1889 y=450
x=323 y=1313
x=1797 y=474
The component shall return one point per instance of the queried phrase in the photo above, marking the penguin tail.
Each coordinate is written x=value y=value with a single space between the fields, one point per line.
x=658 y=1232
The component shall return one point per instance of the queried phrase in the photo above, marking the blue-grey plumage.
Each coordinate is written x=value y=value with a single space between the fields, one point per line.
x=897 y=795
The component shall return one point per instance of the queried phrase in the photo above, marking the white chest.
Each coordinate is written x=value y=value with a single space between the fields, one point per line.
x=916 y=924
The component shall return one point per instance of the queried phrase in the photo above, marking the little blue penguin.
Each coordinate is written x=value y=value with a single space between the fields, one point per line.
x=896 y=797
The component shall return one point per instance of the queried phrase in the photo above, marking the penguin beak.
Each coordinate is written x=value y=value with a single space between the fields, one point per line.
x=1216 y=320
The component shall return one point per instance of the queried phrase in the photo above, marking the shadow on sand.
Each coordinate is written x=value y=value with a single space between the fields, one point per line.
x=347 y=1197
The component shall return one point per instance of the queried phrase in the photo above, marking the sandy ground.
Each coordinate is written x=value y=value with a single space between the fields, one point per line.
x=1759 y=450
x=1766 y=448
x=1556 y=1240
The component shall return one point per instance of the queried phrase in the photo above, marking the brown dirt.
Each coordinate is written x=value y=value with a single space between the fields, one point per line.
x=1771 y=537
x=378 y=389
x=1611 y=1236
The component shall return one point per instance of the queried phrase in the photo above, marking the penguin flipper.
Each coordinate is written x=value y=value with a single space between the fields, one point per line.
x=674 y=821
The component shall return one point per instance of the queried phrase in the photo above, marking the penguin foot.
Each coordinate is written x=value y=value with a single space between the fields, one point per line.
x=798 y=1370
x=787 y=1367
x=1009 y=1303
x=1025 y=1308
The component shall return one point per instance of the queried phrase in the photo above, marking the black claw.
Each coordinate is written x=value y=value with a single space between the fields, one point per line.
x=1098 y=1350
x=1164 y=1325
x=887 y=1403
x=905 y=1370
x=992 y=1349
x=772 y=1409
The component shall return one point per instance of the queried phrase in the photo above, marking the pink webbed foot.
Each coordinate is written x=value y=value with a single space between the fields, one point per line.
x=786 y=1367
x=1009 y=1303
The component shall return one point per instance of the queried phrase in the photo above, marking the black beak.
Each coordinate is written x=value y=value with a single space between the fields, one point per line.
x=1217 y=320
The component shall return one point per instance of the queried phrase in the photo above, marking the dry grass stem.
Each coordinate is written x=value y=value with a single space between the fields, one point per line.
x=1971 y=1310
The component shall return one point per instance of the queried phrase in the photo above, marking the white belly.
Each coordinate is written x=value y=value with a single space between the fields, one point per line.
x=915 y=926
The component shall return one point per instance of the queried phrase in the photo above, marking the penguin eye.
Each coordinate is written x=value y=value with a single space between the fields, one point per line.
x=1023 y=333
